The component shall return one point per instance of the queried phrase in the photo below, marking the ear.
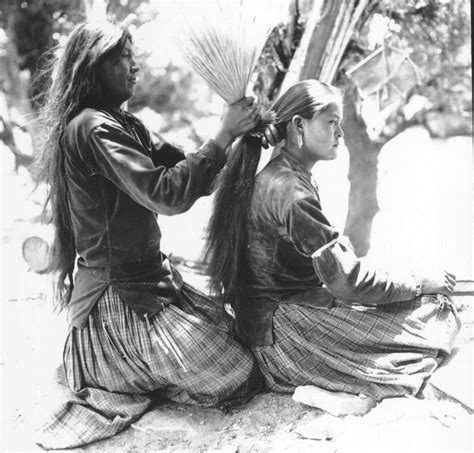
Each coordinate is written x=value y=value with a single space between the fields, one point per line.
x=297 y=122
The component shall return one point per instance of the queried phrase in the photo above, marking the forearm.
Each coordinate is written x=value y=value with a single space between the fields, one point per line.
x=351 y=279
x=175 y=190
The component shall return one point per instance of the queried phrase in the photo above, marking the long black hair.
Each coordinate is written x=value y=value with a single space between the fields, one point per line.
x=74 y=86
x=227 y=230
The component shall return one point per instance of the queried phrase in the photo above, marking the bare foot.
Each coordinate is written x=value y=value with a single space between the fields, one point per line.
x=336 y=403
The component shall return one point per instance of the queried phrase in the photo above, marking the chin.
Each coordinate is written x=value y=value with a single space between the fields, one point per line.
x=127 y=97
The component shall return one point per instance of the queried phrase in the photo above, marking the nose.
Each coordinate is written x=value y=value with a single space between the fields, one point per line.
x=134 y=68
x=339 y=132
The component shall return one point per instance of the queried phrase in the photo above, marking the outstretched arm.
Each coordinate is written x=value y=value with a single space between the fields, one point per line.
x=346 y=276
x=352 y=279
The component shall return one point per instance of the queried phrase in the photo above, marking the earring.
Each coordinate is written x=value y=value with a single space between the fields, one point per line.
x=300 y=140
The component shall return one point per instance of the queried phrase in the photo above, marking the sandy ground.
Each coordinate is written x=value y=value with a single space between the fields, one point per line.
x=32 y=335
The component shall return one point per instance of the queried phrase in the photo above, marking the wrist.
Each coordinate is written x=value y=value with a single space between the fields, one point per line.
x=223 y=139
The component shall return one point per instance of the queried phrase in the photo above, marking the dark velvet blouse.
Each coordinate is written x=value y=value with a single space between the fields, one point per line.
x=294 y=256
x=118 y=182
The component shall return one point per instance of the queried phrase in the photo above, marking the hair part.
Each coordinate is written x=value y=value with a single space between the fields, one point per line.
x=74 y=86
x=227 y=230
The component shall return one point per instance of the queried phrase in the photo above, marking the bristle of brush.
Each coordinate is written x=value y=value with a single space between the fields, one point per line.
x=224 y=48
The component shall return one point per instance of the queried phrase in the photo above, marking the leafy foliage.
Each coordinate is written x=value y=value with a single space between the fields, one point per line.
x=34 y=28
x=436 y=35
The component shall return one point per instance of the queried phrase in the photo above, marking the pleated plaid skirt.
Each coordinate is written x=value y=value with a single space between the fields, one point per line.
x=184 y=354
x=384 y=351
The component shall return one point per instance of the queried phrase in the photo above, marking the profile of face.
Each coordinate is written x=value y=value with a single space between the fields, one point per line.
x=118 y=75
x=320 y=135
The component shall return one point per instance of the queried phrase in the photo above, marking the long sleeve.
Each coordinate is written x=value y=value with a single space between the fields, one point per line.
x=351 y=279
x=164 y=153
x=306 y=225
x=120 y=158
x=346 y=276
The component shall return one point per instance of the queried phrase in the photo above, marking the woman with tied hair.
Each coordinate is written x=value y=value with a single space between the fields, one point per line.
x=135 y=326
x=271 y=250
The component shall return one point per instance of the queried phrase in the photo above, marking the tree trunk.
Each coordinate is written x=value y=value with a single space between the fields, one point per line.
x=363 y=158
x=328 y=30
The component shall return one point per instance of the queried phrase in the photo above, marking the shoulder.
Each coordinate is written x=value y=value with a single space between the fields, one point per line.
x=282 y=188
x=90 y=118
x=279 y=180
x=87 y=121
x=80 y=129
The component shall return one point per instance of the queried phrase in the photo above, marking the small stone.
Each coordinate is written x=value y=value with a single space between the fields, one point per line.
x=323 y=427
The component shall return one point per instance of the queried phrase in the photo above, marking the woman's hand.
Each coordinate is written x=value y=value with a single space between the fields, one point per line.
x=271 y=136
x=440 y=281
x=237 y=119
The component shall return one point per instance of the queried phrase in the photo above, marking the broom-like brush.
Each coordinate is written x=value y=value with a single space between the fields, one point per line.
x=224 y=46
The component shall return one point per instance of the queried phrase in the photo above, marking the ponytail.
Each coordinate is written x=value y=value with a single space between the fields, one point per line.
x=227 y=230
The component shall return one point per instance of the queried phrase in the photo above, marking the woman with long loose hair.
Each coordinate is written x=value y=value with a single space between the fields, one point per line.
x=311 y=311
x=135 y=326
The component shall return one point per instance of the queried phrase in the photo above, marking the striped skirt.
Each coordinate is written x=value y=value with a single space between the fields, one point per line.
x=112 y=365
x=381 y=351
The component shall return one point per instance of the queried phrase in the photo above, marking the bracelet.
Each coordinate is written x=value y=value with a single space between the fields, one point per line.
x=417 y=286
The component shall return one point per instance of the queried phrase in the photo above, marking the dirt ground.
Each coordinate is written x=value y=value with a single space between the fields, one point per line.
x=270 y=422
x=32 y=336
